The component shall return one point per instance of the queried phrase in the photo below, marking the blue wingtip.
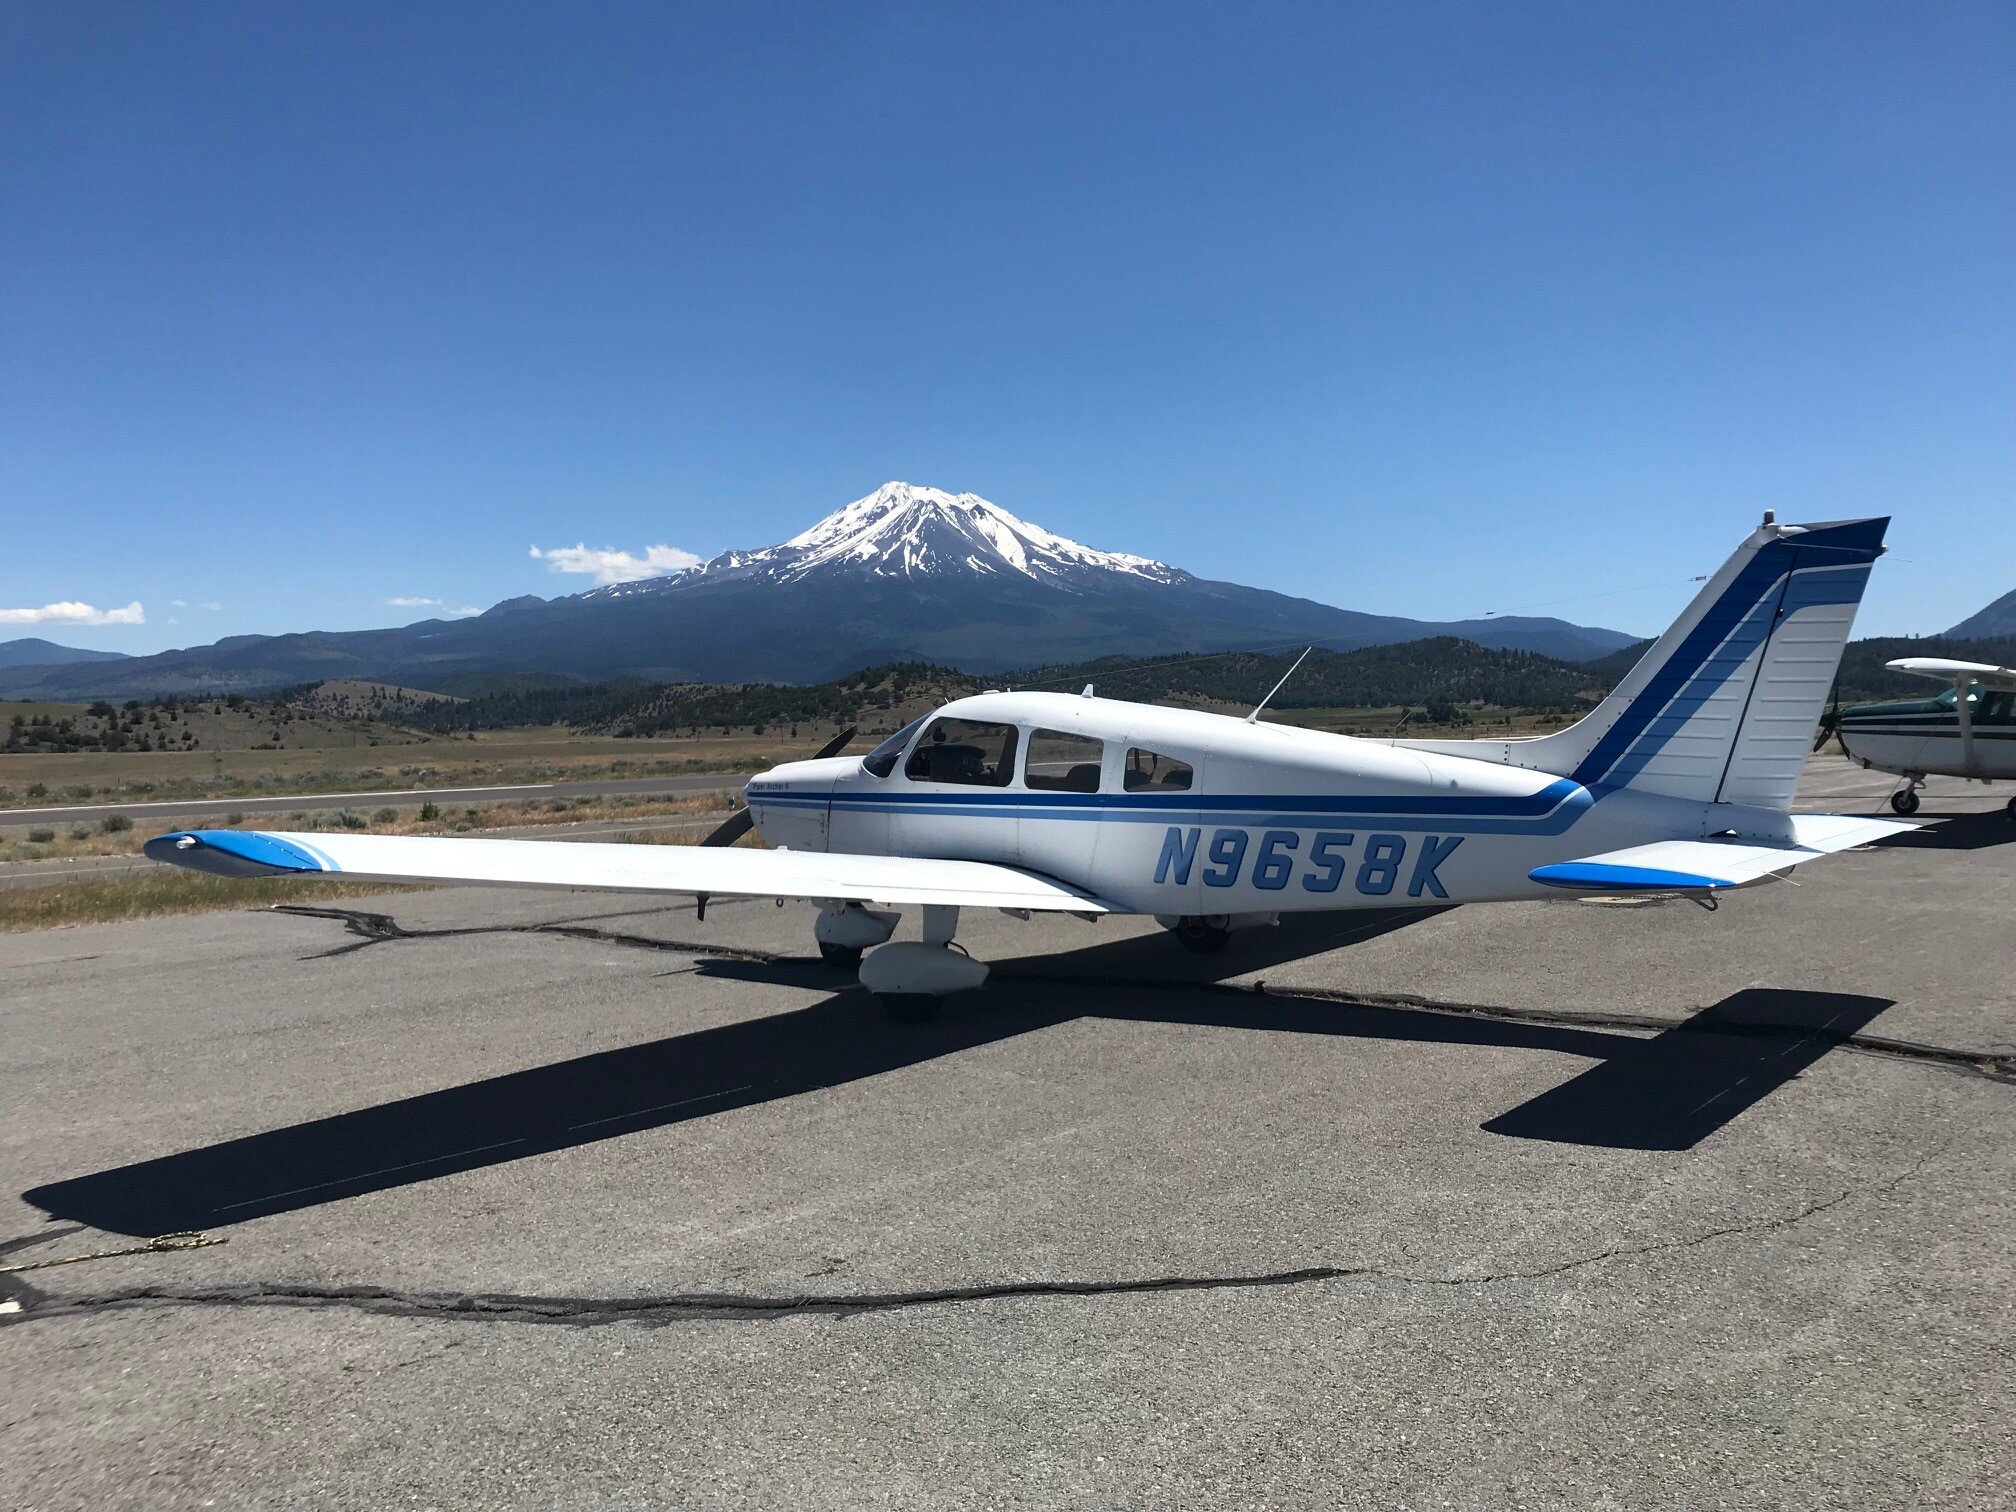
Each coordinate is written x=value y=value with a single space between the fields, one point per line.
x=232 y=853
x=1613 y=878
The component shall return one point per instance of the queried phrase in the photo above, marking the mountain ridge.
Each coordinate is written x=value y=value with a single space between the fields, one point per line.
x=904 y=573
x=33 y=651
x=1997 y=618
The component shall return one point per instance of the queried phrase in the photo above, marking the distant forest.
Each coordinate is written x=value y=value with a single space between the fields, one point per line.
x=1443 y=675
x=1440 y=677
x=1442 y=681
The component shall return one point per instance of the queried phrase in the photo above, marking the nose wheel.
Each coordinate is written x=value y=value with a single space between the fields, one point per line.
x=1202 y=935
x=912 y=978
x=1905 y=799
x=910 y=1007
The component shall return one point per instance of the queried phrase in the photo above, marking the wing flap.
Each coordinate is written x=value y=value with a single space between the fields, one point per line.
x=1712 y=865
x=686 y=869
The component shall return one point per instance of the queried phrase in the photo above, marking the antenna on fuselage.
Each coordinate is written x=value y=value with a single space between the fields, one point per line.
x=1250 y=718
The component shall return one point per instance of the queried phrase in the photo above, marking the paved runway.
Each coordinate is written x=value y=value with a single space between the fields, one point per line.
x=539 y=1200
x=168 y=813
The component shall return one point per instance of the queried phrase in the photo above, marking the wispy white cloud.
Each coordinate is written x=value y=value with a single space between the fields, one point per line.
x=211 y=607
x=617 y=566
x=415 y=602
x=73 y=613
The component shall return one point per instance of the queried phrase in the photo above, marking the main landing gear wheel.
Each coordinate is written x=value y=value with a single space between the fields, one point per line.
x=910 y=1007
x=1202 y=936
x=848 y=957
x=1905 y=800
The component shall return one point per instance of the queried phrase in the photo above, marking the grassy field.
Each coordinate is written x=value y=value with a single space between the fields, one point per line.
x=146 y=895
x=21 y=843
x=148 y=892
x=492 y=758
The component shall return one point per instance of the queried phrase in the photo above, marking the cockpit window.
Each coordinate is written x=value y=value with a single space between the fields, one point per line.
x=1061 y=763
x=964 y=750
x=1147 y=771
x=882 y=760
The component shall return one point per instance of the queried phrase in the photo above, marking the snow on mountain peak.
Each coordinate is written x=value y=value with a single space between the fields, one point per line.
x=903 y=531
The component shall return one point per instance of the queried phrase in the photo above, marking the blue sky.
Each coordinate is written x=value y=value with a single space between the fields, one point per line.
x=1423 y=309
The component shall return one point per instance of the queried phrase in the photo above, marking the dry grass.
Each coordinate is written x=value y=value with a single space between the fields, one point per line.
x=526 y=814
x=494 y=758
x=149 y=894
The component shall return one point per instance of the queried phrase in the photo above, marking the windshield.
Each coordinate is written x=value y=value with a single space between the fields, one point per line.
x=882 y=760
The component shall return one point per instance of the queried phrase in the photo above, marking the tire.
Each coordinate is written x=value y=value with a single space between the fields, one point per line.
x=1905 y=801
x=847 y=957
x=2011 y=811
x=1204 y=939
x=910 y=1007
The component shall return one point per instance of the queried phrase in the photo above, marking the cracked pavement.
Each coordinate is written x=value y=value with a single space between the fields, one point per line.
x=542 y=1199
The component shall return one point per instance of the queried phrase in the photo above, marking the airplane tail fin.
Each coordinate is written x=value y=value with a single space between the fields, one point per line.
x=1722 y=708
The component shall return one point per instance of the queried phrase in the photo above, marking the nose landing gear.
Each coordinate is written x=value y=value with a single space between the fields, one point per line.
x=910 y=978
x=1203 y=936
x=1905 y=799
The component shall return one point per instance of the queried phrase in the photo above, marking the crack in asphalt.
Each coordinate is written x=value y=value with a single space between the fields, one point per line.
x=731 y=1307
x=378 y=928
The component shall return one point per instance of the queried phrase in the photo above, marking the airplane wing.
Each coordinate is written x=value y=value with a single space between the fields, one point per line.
x=690 y=869
x=1707 y=866
x=1984 y=673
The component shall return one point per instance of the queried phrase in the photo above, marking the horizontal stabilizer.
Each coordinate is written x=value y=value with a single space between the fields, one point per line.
x=1712 y=865
x=689 y=869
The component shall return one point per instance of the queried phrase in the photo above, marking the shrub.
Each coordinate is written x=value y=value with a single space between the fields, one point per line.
x=351 y=819
x=386 y=816
x=41 y=836
x=233 y=819
x=80 y=832
x=115 y=824
x=430 y=811
x=38 y=790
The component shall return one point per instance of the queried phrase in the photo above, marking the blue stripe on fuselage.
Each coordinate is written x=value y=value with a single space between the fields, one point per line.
x=1548 y=811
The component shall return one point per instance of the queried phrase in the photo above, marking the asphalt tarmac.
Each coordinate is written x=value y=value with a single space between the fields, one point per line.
x=538 y=1200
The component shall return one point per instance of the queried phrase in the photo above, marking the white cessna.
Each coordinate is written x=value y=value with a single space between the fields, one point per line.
x=1967 y=731
x=1680 y=781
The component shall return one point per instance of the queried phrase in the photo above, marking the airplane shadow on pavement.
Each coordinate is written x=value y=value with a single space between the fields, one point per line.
x=1976 y=831
x=1666 y=1092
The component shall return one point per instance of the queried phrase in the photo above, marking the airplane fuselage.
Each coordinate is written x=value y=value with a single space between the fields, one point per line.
x=1182 y=813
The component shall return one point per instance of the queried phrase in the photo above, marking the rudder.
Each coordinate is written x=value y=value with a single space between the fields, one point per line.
x=1722 y=708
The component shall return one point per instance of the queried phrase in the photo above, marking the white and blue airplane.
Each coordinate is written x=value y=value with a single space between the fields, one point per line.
x=1680 y=782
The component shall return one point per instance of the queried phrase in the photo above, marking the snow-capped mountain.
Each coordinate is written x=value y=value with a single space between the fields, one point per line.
x=906 y=573
x=902 y=531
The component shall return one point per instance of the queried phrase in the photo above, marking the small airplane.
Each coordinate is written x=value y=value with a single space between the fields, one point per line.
x=1679 y=782
x=1967 y=731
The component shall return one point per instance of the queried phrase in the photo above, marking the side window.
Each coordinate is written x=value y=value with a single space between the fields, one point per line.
x=882 y=760
x=1060 y=763
x=964 y=750
x=1146 y=770
x=1997 y=708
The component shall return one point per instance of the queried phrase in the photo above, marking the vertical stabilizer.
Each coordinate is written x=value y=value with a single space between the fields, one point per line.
x=1722 y=708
